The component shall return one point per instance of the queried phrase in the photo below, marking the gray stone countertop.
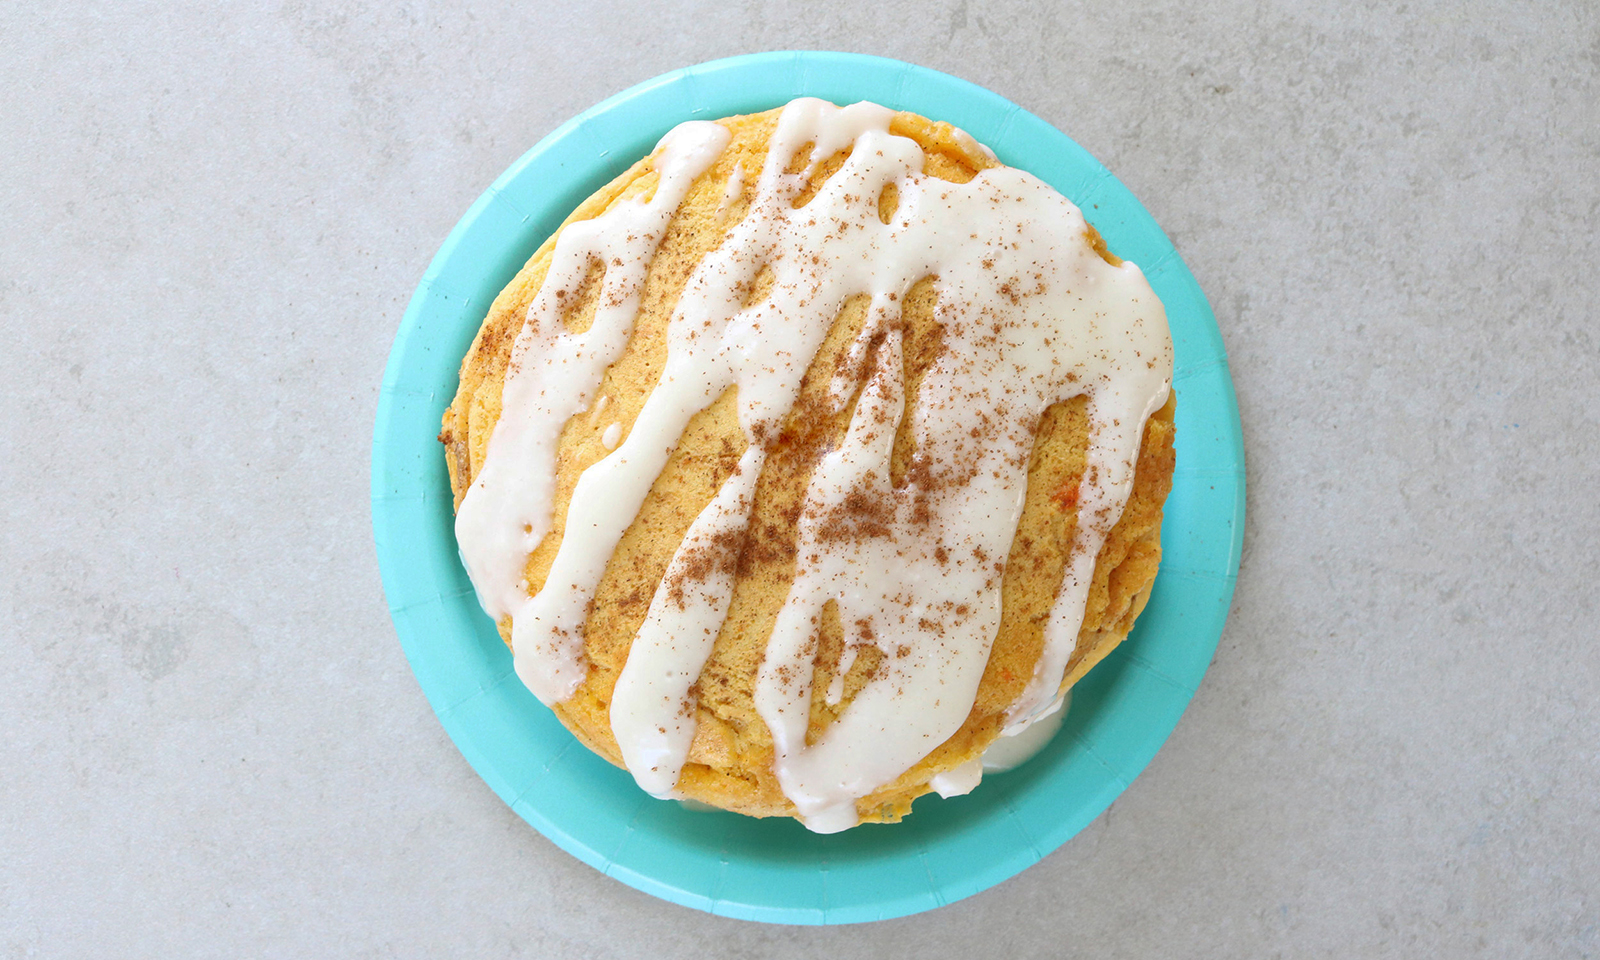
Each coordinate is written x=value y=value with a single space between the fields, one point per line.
x=214 y=218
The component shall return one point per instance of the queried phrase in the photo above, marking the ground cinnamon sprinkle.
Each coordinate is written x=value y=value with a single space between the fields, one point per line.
x=859 y=516
x=700 y=559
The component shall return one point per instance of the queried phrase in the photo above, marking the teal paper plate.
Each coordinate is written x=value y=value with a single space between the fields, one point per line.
x=774 y=870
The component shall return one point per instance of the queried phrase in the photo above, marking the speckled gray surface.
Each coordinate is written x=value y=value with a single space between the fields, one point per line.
x=214 y=219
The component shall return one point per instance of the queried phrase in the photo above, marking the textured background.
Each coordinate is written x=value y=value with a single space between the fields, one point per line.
x=213 y=220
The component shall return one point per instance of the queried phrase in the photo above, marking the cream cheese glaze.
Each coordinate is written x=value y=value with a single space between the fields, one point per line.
x=1031 y=316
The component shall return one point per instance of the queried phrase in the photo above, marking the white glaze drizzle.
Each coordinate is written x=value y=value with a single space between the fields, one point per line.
x=552 y=375
x=1007 y=752
x=1013 y=750
x=1031 y=316
x=731 y=191
x=652 y=715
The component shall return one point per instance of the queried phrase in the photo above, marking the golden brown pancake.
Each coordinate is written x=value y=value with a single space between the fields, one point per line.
x=731 y=760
